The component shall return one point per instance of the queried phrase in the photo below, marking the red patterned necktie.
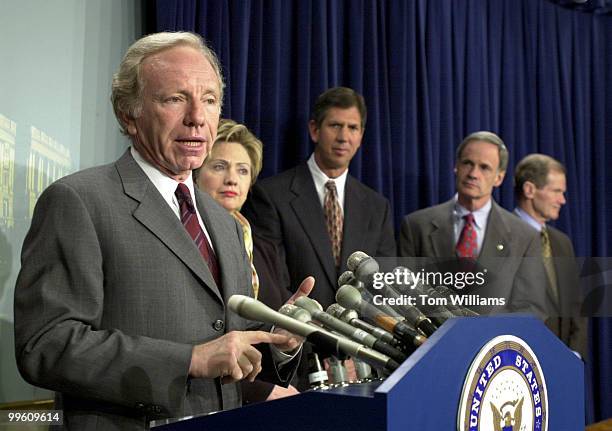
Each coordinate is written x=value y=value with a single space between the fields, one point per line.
x=467 y=244
x=191 y=223
x=333 y=219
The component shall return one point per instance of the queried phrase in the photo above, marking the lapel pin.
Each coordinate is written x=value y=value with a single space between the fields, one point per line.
x=500 y=247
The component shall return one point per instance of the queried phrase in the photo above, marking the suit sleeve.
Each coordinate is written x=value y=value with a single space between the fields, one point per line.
x=579 y=324
x=406 y=242
x=59 y=300
x=529 y=287
x=265 y=220
x=386 y=245
x=271 y=371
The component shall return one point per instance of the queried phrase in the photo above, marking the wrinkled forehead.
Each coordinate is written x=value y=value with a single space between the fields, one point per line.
x=177 y=66
x=481 y=151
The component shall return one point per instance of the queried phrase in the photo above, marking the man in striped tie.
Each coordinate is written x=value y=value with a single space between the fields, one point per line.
x=316 y=213
x=121 y=302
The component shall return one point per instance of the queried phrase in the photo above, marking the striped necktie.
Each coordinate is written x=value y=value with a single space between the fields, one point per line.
x=192 y=225
x=333 y=219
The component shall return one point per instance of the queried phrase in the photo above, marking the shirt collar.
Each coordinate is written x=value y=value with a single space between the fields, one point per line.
x=319 y=176
x=480 y=215
x=163 y=183
x=528 y=219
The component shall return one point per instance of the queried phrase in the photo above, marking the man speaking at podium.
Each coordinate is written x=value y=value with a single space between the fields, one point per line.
x=120 y=304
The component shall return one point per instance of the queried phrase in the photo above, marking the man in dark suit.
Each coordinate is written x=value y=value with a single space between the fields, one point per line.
x=316 y=214
x=472 y=225
x=539 y=187
x=120 y=304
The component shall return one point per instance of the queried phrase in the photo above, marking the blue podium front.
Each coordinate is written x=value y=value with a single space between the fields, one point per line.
x=501 y=373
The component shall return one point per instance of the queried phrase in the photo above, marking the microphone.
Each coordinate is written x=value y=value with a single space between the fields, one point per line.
x=296 y=312
x=348 y=347
x=364 y=267
x=252 y=309
x=347 y=277
x=323 y=347
x=337 y=325
x=351 y=317
x=437 y=312
x=349 y=297
x=456 y=309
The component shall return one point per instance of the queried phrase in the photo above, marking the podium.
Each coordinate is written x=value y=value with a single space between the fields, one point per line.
x=426 y=392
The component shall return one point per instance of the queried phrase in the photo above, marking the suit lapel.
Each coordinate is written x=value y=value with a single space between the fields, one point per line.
x=355 y=221
x=155 y=214
x=308 y=211
x=497 y=236
x=218 y=229
x=441 y=235
x=496 y=243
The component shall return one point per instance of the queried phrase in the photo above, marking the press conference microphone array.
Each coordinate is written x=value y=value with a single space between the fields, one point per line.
x=439 y=292
x=437 y=312
x=349 y=297
x=350 y=279
x=346 y=347
x=337 y=325
x=352 y=317
x=364 y=268
x=252 y=309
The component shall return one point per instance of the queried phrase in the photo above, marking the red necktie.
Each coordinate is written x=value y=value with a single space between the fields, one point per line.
x=191 y=223
x=467 y=244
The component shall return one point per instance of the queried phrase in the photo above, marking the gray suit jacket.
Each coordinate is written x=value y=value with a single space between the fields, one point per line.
x=565 y=317
x=113 y=295
x=511 y=254
x=568 y=324
x=286 y=210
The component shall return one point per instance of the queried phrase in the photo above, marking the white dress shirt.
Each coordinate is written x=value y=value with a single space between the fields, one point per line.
x=166 y=186
x=320 y=179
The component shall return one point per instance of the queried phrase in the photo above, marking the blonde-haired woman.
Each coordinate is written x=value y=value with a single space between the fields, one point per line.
x=227 y=175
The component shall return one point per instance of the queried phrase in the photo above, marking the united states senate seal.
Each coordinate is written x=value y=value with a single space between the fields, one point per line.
x=504 y=389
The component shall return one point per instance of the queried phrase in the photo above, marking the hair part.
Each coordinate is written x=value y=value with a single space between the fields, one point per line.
x=535 y=169
x=338 y=97
x=128 y=84
x=491 y=138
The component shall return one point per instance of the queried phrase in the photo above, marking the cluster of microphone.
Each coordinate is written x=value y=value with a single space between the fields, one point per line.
x=374 y=335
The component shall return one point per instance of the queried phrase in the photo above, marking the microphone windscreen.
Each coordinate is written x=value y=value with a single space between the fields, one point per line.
x=355 y=259
x=308 y=304
x=347 y=277
x=348 y=297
